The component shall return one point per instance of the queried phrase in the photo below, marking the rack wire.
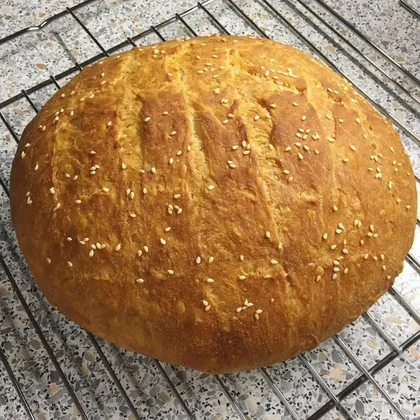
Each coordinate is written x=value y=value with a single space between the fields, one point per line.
x=400 y=82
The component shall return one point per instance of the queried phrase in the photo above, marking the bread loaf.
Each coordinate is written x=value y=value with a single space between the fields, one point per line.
x=221 y=203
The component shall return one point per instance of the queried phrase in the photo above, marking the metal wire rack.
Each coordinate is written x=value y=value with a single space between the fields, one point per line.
x=269 y=386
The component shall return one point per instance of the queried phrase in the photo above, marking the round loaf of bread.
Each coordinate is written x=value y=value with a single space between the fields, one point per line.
x=221 y=203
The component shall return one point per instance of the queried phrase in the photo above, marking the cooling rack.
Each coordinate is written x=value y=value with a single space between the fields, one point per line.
x=51 y=368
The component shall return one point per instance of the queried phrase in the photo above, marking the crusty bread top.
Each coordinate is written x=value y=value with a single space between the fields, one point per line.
x=221 y=203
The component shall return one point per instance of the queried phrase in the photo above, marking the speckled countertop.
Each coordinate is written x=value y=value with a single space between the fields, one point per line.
x=155 y=390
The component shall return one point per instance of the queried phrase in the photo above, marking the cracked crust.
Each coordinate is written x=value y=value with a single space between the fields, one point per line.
x=254 y=201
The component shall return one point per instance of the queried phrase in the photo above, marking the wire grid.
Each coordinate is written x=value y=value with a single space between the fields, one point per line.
x=81 y=376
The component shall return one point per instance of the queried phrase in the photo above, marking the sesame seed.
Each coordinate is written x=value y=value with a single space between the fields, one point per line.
x=300 y=156
x=303 y=117
x=217 y=91
x=172 y=133
x=335 y=208
x=352 y=147
x=105 y=189
x=341 y=226
x=140 y=280
x=241 y=257
x=58 y=205
x=211 y=187
x=274 y=262
x=338 y=231
x=146 y=248
x=153 y=170
x=162 y=241
x=384 y=267
x=235 y=146
x=268 y=234
x=207 y=308
x=325 y=236
x=171 y=161
x=358 y=120
x=392 y=149
x=70 y=264
x=22 y=155
x=273 y=105
x=287 y=149
x=333 y=246
x=334 y=276
x=176 y=196
x=75 y=177
x=257 y=317
x=242 y=277
x=48 y=260
x=132 y=214
x=345 y=251
x=144 y=190
x=147 y=119
x=165 y=113
x=239 y=309
x=210 y=280
x=256 y=118
x=139 y=253
x=36 y=167
x=109 y=123
x=295 y=104
x=211 y=259
x=408 y=207
x=118 y=247
x=331 y=139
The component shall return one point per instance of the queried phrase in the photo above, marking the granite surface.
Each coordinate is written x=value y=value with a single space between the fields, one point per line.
x=157 y=389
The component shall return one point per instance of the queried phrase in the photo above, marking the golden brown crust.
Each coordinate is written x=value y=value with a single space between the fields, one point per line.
x=293 y=153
